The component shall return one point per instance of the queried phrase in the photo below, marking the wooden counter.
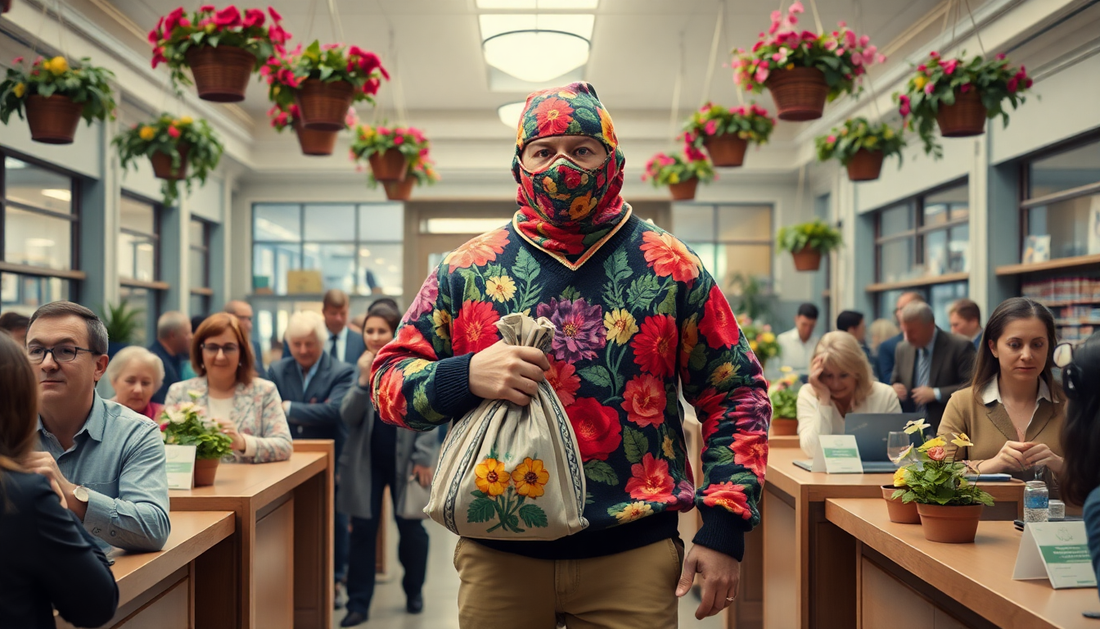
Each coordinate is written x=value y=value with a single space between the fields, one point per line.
x=807 y=556
x=282 y=564
x=906 y=581
x=159 y=589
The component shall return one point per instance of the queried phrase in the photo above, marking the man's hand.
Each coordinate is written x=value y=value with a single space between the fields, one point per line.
x=721 y=575
x=422 y=474
x=43 y=463
x=507 y=372
x=923 y=396
x=364 y=363
x=903 y=393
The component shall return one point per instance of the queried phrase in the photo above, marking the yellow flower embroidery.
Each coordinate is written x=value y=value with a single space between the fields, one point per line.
x=581 y=206
x=530 y=478
x=633 y=511
x=147 y=133
x=666 y=447
x=722 y=373
x=620 y=326
x=491 y=477
x=442 y=321
x=416 y=366
x=501 y=288
x=549 y=185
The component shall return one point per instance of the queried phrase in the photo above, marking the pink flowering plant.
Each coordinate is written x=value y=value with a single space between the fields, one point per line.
x=750 y=123
x=169 y=135
x=783 y=393
x=842 y=143
x=409 y=141
x=285 y=73
x=841 y=55
x=663 y=169
x=934 y=478
x=187 y=425
x=85 y=84
x=938 y=82
x=179 y=31
x=282 y=117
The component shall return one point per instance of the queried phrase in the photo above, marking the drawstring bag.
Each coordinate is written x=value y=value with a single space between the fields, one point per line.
x=512 y=472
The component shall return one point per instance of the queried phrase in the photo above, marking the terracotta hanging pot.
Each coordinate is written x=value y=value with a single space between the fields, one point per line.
x=399 y=190
x=806 y=259
x=205 y=471
x=162 y=164
x=726 y=150
x=865 y=165
x=799 y=93
x=784 y=427
x=222 y=73
x=5 y=6
x=324 y=106
x=963 y=119
x=53 y=119
x=899 y=511
x=685 y=190
x=388 y=166
x=315 y=142
x=950 y=525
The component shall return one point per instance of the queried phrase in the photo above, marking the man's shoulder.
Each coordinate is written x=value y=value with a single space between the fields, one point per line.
x=123 y=419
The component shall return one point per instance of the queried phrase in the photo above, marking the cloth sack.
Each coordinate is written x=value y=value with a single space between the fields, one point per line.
x=512 y=472
x=415 y=498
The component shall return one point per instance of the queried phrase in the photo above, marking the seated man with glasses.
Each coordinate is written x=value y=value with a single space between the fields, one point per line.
x=108 y=460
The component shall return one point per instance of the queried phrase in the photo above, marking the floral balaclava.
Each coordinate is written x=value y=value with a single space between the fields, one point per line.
x=566 y=210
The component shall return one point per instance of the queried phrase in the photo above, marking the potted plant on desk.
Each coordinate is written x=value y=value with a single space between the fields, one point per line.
x=784 y=396
x=948 y=504
x=187 y=425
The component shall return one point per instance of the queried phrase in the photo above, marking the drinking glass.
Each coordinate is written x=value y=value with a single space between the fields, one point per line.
x=896 y=443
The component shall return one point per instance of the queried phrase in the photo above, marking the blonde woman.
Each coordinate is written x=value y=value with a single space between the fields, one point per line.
x=882 y=329
x=841 y=382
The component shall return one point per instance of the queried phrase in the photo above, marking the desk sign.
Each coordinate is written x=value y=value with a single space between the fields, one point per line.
x=1058 y=551
x=838 y=454
x=181 y=466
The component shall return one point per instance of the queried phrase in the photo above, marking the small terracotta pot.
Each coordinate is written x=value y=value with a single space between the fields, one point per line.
x=806 y=259
x=726 y=150
x=162 y=164
x=784 y=427
x=963 y=119
x=205 y=471
x=799 y=93
x=865 y=165
x=222 y=73
x=950 y=525
x=399 y=190
x=685 y=190
x=53 y=120
x=324 y=106
x=899 y=511
x=388 y=166
x=315 y=142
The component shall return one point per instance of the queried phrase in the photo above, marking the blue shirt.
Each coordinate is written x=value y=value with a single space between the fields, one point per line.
x=118 y=456
x=1091 y=513
x=309 y=375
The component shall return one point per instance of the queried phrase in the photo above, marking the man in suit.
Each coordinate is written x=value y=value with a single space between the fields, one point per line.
x=343 y=343
x=243 y=311
x=312 y=384
x=887 y=348
x=173 y=347
x=966 y=321
x=853 y=323
x=930 y=364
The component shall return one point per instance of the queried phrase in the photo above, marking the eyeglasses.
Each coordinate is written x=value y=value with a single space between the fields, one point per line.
x=60 y=353
x=227 y=349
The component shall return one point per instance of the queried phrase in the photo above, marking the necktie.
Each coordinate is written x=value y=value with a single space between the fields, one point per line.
x=924 y=368
x=332 y=348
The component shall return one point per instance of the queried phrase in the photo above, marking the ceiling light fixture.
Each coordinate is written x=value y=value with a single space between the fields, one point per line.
x=536 y=55
x=509 y=113
x=528 y=5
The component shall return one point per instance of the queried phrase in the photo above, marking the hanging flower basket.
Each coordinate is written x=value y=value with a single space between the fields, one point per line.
x=313 y=142
x=162 y=164
x=399 y=190
x=206 y=470
x=324 y=104
x=865 y=165
x=681 y=173
x=181 y=149
x=389 y=166
x=390 y=152
x=222 y=73
x=860 y=146
x=684 y=190
x=323 y=81
x=807 y=242
x=963 y=119
x=5 y=6
x=727 y=151
x=726 y=133
x=806 y=259
x=799 y=93
x=53 y=120
x=55 y=97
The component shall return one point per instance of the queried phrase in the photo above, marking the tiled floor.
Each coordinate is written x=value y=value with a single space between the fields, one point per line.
x=441 y=591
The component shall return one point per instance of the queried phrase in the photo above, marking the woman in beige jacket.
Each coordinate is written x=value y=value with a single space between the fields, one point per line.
x=1013 y=410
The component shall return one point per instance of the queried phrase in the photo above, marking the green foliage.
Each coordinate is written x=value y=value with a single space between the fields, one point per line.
x=748 y=296
x=843 y=142
x=186 y=425
x=410 y=141
x=330 y=63
x=121 y=321
x=815 y=234
x=784 y=403
x=166 y=135
x=941 y=483
x=86 y=84
x=664 y=170
x=750 y=123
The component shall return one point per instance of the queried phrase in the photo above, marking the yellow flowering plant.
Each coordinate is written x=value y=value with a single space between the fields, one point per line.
x=193 y=146
x=934 y=478
x=783 y=393
x=762 y=340
x=85 y=84
x=503 y=496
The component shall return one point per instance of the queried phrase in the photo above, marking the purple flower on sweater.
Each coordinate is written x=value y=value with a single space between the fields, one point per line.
x=754 y=414
x=580 y=330
x=425 y=299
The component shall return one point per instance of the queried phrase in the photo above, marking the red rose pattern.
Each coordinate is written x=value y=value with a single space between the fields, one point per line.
x=644 y=401
x=719 y=325
x=651 y=481
x=599 y=432
x=475 y=327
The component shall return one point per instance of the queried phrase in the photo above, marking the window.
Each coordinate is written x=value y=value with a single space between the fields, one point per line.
x=39 y=225
x=1061 y=205
x=731 y=240
x=923 y=245
x=139 y=262
x=198 y=263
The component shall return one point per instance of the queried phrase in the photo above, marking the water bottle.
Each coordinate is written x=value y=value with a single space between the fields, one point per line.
x=1036 y=502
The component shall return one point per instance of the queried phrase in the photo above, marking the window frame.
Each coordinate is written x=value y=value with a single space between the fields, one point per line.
x=157 y=284
x=204 y=292
x=716 y=240
x=1028 y=203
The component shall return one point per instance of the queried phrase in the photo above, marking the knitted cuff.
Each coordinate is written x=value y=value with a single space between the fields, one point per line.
x=722 y=531
x=449 y=392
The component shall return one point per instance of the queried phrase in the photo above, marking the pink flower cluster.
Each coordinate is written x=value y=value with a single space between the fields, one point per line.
x=229 y=18
x=655 y=164
x=366 y=62
x=927 y=73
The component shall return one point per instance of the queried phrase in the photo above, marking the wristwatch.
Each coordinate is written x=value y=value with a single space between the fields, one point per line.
x=81 y=493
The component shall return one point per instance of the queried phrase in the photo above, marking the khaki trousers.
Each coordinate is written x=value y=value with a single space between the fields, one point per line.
x=632 y=589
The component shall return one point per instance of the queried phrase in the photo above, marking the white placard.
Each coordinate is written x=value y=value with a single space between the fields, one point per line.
x=1058 y=551
x=838 y=454
x=181 y=466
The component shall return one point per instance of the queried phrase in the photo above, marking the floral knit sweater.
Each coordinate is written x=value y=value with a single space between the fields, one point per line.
x=640 y=316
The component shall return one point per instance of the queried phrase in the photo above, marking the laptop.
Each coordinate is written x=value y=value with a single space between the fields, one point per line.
x=870 y=431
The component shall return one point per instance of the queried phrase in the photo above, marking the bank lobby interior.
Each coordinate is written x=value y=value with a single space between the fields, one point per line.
x=1013 y=211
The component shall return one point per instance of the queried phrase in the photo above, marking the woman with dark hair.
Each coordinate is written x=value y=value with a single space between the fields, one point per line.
x=376 y=455
x=1013 y=410
x=49 y=561
x=1080 y=475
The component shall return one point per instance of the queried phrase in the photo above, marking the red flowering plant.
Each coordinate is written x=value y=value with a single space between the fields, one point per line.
x=939 y=82
x=665 y=170
x=933 y=477
x=282 y=117
x=856 y=134
x=750 y=123
x=193 y=146
x=285 y=73
x=841 y=55
x=178 y=32
x=409 y=141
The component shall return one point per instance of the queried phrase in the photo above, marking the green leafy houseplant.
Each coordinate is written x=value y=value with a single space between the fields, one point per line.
x=187 y=425
x=750 y=123
x=784 y=395
x=86 y=86
x=856 y=134
x=816 y=235
x=942 y=83
x=121 y=322
x=933 y=478
x=185 y=149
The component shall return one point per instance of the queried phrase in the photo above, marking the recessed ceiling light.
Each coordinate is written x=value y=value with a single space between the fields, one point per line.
x=58 y=193
x=509 y=113
x=536 y=55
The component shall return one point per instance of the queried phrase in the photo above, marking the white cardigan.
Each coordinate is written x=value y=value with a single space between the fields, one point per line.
x=822 y=418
